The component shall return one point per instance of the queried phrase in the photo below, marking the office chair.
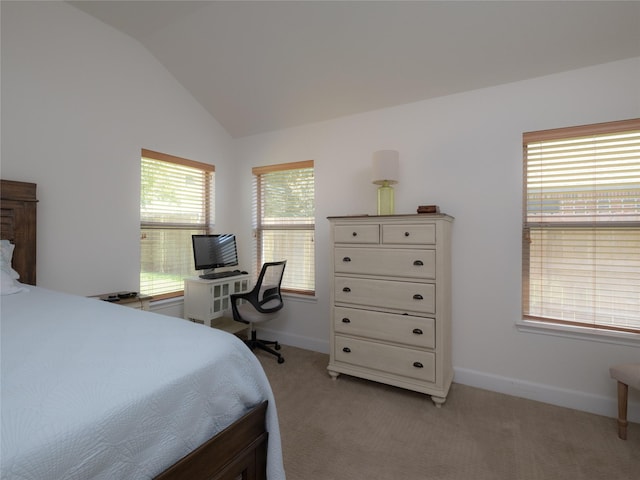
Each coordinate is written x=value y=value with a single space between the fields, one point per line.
x=261 y=305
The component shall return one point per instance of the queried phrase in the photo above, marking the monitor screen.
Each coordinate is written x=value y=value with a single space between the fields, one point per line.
x=214 y=251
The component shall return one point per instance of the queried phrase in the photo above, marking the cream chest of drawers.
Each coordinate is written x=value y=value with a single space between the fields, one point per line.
x=391 y=301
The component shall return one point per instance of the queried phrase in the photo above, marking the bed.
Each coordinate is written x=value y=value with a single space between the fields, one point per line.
x=91 y=389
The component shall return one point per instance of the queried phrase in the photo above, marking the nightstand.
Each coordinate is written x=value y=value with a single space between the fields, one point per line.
x=140 y=302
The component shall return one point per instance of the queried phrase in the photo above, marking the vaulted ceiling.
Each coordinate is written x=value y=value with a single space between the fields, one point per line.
x=260 y=66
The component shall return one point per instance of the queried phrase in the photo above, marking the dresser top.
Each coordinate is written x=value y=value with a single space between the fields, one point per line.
x=408 y=216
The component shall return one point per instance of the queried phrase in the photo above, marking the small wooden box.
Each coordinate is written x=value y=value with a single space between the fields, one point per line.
x=428 y=209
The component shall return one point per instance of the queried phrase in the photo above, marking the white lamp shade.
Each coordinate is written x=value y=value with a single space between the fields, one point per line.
x=385 y=167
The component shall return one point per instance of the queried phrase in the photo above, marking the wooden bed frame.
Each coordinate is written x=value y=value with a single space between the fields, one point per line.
x=238 y=452
x=18 y=225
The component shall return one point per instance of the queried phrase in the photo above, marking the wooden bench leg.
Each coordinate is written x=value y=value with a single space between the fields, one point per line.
x=623 y=391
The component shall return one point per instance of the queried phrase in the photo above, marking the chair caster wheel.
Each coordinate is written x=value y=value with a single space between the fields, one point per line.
x=280 y=359
x=278 y=347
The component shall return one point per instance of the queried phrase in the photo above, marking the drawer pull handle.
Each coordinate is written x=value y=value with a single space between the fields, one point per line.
x=346 y=259
x=346 y=320
x=406 y=234
x=418 y=365
x=355 y=234
x=417 y=331
x=418 y=263
x=346 y=350
x=346 y=289
x=417 y=296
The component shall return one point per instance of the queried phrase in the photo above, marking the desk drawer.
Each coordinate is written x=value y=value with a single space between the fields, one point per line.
x=379 y=261
x=406 y=362
x=391 y=327
x=403 y=296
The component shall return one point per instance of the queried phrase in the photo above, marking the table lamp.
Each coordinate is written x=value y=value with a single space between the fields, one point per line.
x=385 y=174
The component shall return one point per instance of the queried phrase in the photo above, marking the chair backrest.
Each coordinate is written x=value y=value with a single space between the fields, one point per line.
x=266 y=296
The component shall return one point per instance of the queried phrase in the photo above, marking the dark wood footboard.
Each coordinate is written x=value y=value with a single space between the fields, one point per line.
x=238 y=452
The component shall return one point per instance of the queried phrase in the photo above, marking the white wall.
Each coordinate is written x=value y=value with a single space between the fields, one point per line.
x=463 y=153
x=79 y=101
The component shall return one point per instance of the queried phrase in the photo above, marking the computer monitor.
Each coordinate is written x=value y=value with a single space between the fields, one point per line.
x=214 y=251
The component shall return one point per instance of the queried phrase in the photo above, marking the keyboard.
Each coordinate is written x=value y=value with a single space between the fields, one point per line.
x=216 y=275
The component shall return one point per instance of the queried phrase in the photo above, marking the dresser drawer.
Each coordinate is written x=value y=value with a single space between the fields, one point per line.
x=409 y=234
x=369 y=233
x=415 y=331
x=379 y=261
x=403 y=296
x=402 y=361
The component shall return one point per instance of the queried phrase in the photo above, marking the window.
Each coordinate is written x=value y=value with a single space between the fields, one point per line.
x=284 y=221
x=176 y=201
x=581 y=226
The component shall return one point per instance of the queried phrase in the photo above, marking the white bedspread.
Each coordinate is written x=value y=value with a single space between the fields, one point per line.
x=96 y=390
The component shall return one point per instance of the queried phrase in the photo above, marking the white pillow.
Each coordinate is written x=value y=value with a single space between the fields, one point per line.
x=8 y=284
x=6 y=255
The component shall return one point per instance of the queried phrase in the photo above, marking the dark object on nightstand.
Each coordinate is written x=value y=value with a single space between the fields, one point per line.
x=261 y=305
x=127 y=294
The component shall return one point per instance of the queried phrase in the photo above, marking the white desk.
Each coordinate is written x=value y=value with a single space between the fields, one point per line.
x=208 y=301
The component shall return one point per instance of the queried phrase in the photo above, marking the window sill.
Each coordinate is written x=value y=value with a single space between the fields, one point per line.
x=579 y=333
x=296 y=297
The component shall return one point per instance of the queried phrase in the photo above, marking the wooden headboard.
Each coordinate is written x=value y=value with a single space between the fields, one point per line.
x=18 y=204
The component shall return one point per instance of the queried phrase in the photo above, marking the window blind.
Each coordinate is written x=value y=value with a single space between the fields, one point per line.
x=176 y=201
x=581 y=226
x=284 y=221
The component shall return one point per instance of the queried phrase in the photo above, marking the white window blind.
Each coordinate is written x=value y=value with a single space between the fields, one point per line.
x=176 y=202
x=284 y=221
x=581 y=227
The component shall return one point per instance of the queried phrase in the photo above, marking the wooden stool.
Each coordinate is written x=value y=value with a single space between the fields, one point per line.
x=627 y=375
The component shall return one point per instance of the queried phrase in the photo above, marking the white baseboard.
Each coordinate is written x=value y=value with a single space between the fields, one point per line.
x=562 y=397
x=299 y=341
x=574 y=399
x=172 y=307
x=586 y=402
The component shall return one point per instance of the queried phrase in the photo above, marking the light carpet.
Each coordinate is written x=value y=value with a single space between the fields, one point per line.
x=360 y=430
